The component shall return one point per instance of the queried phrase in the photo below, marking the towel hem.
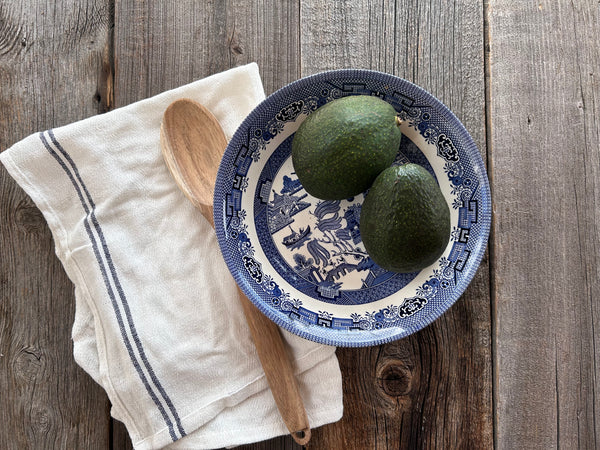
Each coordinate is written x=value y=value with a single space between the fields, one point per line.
x=258 y=434
x=212 y=409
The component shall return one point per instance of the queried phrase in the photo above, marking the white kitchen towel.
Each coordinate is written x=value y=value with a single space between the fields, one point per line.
x=158 y=323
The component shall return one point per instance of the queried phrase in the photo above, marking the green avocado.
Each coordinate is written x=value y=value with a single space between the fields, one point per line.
x=405 y=219
x=339 y=150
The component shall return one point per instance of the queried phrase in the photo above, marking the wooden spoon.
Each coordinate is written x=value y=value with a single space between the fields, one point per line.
x=193 y=143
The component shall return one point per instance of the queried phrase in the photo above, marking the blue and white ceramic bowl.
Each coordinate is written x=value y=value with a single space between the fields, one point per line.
x=301 y=260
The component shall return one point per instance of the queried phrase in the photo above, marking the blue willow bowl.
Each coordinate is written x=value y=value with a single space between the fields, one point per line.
x=301 y=260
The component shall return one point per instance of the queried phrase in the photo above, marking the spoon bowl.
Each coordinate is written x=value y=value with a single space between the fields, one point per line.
x=193 y=143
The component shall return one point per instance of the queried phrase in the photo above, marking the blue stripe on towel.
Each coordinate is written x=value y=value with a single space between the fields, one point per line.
x=104 y=259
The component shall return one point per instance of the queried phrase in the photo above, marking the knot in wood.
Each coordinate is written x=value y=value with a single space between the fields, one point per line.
x=28 y=217
x=28 y=364
x=395 y=379
x=40 y=418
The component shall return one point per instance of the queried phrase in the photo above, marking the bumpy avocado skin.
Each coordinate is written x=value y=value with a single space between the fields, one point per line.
x=405 y=219
x=339 y=150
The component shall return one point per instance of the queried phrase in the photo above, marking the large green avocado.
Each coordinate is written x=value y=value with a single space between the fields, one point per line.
x=339 y=150
x=405 y=219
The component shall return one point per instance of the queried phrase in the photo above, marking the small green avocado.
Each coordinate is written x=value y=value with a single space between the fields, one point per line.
x=339 y=150
x=405 y=219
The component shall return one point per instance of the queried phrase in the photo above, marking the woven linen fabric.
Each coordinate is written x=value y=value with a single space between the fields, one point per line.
x=158 y=323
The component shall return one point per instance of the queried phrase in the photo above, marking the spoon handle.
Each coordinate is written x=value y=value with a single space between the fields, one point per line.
x=278 y=370
x=275 y=361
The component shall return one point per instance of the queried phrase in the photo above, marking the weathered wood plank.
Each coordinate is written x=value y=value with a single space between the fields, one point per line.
x=162 y=45
x=433 y=389
x=51 y=60
x=545 y=110
x=120 y=439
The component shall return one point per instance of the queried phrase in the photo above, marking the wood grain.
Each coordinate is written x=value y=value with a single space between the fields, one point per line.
x=161 y=45
x=51 y=60
x=545 y=111
x=533 y=337
x=412 y=393
x=406 y=394
x=192 y=143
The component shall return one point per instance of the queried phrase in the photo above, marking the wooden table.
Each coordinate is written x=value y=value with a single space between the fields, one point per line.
x=514 y=364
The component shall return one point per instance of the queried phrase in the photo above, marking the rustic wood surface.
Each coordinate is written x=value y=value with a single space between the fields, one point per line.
x=545 y=89
x=50 y=61
x=513 y=364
